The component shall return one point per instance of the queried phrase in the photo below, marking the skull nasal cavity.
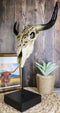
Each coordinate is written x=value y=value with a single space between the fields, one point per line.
x=32 y=35
x=20 y=55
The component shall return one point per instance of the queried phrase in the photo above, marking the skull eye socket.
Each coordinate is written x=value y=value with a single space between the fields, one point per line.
x=32 y=35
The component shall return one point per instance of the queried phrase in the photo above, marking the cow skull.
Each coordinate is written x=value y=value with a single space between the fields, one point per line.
x=26 y=37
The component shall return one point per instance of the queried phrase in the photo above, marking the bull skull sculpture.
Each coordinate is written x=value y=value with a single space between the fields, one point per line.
x=26 y=37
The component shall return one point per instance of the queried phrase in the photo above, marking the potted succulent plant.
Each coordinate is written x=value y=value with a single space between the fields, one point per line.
x=46 y=80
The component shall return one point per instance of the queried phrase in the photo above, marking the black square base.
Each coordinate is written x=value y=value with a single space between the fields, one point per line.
x=22 y=99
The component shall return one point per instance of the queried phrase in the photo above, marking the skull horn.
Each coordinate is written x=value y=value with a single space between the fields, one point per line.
x=16 y=28
x=11 y=71
x=51 y=22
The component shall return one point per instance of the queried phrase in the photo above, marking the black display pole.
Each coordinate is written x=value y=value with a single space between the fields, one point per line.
x=22 y=99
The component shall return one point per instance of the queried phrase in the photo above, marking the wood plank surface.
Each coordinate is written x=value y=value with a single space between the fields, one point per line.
x=47 y=45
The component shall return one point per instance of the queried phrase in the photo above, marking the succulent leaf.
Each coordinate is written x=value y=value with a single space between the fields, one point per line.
x=39 y=65
x=46 y=69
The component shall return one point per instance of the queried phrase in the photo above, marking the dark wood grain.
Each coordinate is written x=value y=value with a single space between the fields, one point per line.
x=47 y=45
x=7 y=39
x=57 y=48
